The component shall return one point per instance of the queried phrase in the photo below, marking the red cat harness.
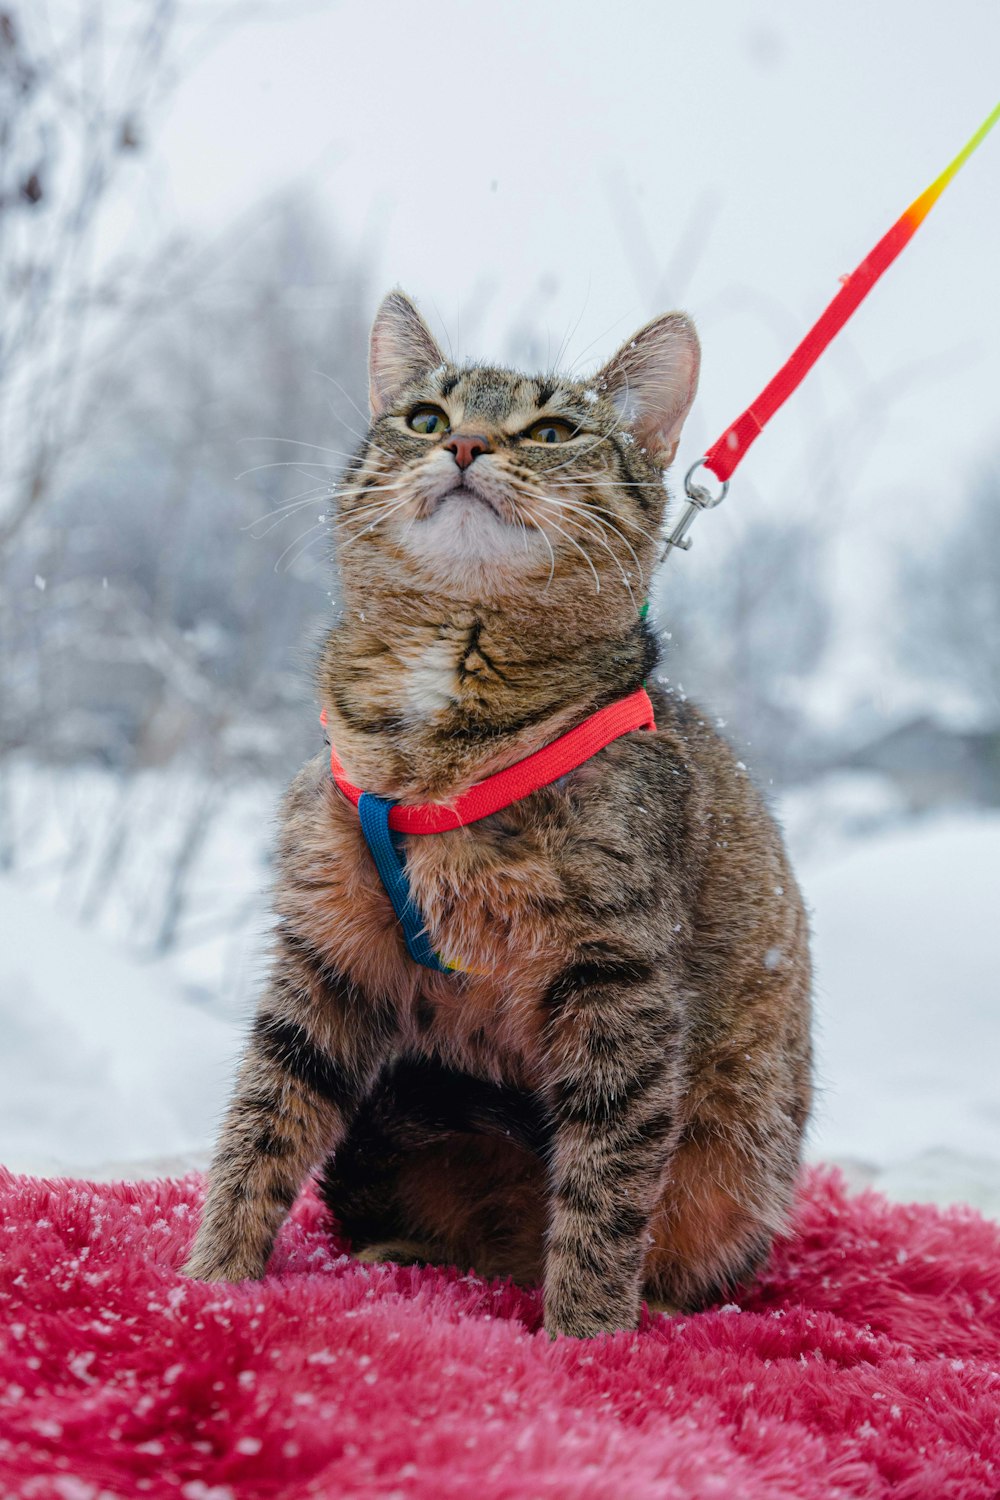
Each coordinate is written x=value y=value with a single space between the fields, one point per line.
x=384 y=820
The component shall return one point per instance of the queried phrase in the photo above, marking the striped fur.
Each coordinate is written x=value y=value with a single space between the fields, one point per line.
x=613 y=1099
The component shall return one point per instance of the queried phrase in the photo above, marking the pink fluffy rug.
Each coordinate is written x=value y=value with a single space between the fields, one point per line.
x=866 y=1362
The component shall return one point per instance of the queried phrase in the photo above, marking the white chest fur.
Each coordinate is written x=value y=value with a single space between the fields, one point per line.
x=430 y=681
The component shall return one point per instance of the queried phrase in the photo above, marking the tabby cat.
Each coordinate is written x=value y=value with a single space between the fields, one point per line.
x=608 y=1093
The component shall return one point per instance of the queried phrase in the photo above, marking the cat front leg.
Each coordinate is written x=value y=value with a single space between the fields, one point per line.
x=315 y=1049
x=614 y=1033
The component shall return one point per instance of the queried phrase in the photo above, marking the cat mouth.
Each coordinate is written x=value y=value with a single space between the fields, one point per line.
x=465 y=491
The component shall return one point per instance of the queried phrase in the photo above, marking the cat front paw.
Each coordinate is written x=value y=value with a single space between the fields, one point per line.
x=578 y=1321
x=204 y=1266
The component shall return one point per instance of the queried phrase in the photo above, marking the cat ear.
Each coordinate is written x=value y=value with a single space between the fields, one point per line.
x=652 y=381
x=402 y=347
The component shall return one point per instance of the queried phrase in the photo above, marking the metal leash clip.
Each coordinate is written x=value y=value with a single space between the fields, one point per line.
x=699 y=499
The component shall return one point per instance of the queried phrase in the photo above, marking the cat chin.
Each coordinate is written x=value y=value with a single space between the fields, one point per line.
x=463 y=529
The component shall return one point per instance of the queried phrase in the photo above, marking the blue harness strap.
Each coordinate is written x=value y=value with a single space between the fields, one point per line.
x=385 y=849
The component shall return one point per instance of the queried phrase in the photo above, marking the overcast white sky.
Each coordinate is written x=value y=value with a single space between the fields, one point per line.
x=730 y=158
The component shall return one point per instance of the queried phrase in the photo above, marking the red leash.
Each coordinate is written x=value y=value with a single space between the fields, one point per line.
x=519 y=780
x=729 y=450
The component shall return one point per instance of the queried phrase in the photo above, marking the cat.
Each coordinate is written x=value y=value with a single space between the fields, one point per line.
x=608 y=1091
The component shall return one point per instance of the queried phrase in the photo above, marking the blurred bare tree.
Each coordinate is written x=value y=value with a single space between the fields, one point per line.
x=155 y=601
x=161 y=617
x=75 y=95
x=147 y=625
x=950 y=604
x=745 y=622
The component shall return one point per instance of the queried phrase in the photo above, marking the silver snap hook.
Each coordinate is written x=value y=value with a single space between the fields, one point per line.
x=698 y=494
x=699 y=499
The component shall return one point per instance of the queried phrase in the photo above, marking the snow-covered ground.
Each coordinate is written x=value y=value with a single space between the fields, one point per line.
x=163 y=864
x=102 y=1059
x=112 y=1065
x=907 y=953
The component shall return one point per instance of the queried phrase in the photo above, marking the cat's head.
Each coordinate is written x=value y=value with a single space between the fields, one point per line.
x=478 y=481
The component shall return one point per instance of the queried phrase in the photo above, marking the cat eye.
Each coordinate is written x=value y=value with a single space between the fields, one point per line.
x=550 y=432
x=429 y=420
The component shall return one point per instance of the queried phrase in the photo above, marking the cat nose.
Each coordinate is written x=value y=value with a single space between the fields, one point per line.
x=466 y=448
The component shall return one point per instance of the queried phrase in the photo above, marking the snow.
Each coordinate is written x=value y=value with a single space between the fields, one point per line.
x=907 y=955
x=108 y=1066
x=105 y=851
x=103 y=1059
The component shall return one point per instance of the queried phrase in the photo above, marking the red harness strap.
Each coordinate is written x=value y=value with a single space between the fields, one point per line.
x=523 y=777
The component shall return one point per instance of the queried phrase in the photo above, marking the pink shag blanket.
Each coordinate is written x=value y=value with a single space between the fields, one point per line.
x=865 y=1362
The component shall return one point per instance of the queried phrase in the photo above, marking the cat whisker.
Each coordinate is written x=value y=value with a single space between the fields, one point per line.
x=362 y=437
x=529 y=482
x=587 y=515
x=602 y=543
x=317 y=491
x=519 y=518
x=655 y=537
x=360 y=510
x=320 y=448
x=298 y=443
x=301 y=464
x=568 y=337
x=346 y=522
x=301 y=553
x=387 y=511
x=346 y=394
x=552 y=556
x=363 y=511
x=641 y=484
x=618 y=564
x=600 y=337
x=368 y=481
x=369 y=442
x=283 y=512
x=610 y=551
x=359 y=492
x=409 y=526
x=313 y=492
x=583 y=553
x=316 y=526
x=372 y=489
